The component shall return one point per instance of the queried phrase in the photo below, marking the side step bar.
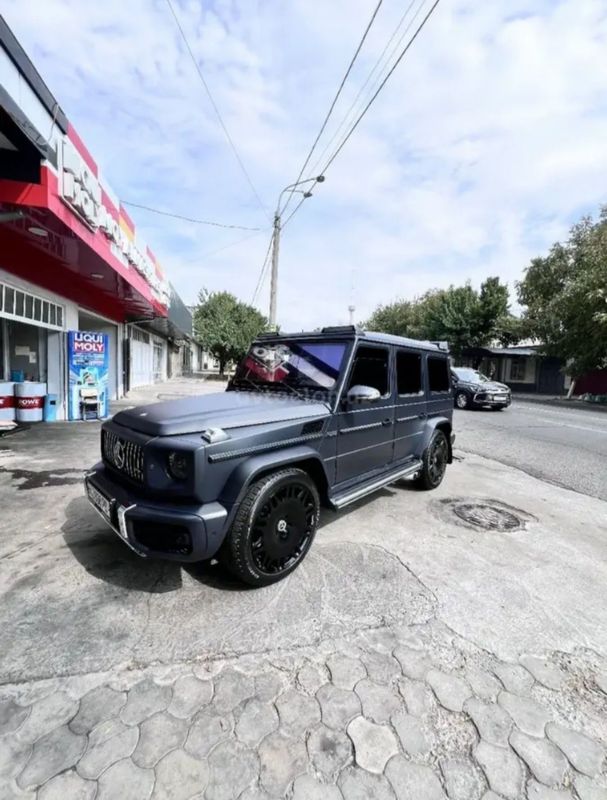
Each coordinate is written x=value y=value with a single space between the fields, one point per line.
x=351 y=496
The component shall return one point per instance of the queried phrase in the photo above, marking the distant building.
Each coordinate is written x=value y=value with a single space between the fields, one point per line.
x=521 y=367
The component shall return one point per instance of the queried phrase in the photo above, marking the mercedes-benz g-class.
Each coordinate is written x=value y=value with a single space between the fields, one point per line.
x=307 y=420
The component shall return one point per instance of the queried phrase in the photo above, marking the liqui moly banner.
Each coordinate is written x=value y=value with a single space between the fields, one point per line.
x=88 y=365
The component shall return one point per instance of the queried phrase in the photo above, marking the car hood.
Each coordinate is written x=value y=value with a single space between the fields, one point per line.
x=493 y=386
x=219 y=410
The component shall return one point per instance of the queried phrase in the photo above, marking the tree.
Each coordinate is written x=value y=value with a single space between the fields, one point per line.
x=400 y=318
x=459 y=315
x=565 y=295
x=225 y=326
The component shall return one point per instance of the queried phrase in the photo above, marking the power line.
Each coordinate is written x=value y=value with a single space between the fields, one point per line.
x=217 y=250
x=369 y=104
x=335 y=99
x=188 y=219
x=381 y=86
x=347 y=115
x=216 y=110
x=263 y=270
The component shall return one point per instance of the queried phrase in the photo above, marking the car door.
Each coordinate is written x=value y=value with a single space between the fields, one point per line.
x=409 y=404
x=365 y=429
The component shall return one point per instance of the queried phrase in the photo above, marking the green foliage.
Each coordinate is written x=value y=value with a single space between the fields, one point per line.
x=400 y=318
x=459 y=315
x=225 y=326
x=565 y=294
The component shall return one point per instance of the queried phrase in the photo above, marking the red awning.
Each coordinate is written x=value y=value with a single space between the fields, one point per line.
x=63 y=255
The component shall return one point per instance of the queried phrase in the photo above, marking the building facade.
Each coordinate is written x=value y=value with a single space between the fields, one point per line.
x=71 y=258
x=522 y=367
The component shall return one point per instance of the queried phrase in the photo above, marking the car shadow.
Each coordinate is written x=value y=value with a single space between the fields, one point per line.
x=327 y=515
x=102 y=554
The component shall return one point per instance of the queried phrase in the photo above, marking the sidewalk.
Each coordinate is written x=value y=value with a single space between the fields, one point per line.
x=168 y=390
x=562 y=402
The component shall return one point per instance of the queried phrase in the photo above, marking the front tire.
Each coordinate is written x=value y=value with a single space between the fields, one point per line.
x=434 y=460
x=462 y=400
x=274 y=527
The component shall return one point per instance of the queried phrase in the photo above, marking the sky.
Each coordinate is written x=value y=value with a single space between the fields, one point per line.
x=483 y=148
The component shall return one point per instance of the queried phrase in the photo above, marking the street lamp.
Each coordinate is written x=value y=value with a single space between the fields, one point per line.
x=276 y=241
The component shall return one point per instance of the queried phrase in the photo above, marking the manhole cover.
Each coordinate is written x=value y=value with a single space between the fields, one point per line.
x=487 y=516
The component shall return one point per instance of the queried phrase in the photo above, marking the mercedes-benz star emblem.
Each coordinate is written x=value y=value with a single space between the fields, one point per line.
x=119 y=453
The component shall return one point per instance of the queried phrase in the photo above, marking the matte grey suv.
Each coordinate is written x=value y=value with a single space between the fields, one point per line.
x=308 y=419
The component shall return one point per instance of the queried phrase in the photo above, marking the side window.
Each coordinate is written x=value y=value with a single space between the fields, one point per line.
x=408 y=372
x=438 y=374
x=371 y=368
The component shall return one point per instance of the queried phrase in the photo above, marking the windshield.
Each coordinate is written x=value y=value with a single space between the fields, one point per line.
x=297 y=365
x=471 y=375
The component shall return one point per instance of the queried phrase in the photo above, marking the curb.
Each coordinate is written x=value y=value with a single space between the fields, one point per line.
x=577 y=405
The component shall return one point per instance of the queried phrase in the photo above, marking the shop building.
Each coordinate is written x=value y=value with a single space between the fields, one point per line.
x=71 y=258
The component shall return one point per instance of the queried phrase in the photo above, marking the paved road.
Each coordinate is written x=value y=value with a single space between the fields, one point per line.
x=565 y=446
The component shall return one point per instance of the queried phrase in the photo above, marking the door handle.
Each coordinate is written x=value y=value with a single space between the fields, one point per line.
x=387 y=421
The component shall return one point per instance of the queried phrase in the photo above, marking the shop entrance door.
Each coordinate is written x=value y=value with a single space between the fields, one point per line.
x=25 y=350
x=158 y=359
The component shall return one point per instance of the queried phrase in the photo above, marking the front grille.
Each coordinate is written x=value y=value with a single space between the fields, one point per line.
x=122 y=455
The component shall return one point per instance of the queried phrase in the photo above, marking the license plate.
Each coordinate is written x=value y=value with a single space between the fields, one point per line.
x=99 y=501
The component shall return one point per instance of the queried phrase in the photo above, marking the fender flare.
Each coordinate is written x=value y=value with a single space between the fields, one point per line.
x=445 y=424
x=249 y=469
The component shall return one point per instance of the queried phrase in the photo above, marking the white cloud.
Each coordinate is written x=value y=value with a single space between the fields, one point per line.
x=487 y=143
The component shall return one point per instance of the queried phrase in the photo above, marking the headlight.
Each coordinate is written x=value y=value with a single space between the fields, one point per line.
x=179 y=465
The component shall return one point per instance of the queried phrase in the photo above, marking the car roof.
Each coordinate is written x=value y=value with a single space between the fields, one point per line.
x=353 y=332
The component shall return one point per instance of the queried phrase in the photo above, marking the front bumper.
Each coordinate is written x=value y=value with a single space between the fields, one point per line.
x=494 y=400
x=155 y=529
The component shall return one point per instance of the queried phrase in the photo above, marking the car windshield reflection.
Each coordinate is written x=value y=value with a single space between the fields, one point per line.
x=471 y=375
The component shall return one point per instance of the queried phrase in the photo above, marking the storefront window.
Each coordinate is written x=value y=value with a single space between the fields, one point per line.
x=9 y=300
x=24 y=349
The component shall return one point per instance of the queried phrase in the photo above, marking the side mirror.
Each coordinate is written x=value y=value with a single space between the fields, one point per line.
x=363 y=394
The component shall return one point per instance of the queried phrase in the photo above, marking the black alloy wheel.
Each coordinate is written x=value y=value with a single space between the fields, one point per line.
x=435 y=459
x=274 y=527
x=462 y=400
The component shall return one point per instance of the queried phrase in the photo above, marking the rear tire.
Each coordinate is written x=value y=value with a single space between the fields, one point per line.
x=273 y=529
x=435 y=459
x=461 y=400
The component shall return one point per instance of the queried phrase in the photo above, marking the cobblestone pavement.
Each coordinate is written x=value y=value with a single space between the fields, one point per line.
x=405 y=712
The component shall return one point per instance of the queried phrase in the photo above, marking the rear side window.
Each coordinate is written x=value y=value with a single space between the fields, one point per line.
x=438 y=374
x=371 y=369
x=408 y=372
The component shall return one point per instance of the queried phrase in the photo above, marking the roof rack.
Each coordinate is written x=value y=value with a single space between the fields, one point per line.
x=268 y=335
x=341 y=329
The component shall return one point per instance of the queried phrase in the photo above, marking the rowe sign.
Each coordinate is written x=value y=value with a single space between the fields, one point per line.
x=82 y=191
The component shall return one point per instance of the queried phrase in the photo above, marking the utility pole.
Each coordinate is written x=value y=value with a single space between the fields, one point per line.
x=276 y=242
x=274 y=276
